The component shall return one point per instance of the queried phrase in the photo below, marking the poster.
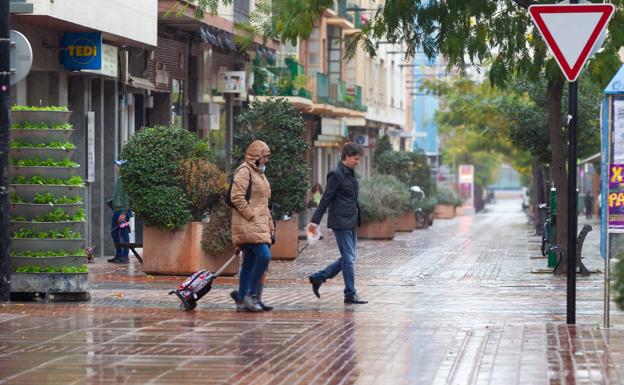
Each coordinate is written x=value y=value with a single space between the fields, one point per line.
x=615 y=199
x=618 y=131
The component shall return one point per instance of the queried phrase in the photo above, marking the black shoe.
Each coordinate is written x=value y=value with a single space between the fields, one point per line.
x=264 y=306
x=355 y=299
x=316 y=285
x=251 y=303
x=118 y=260
x=234 y=295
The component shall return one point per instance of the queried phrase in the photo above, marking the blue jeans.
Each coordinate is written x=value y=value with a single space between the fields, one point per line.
x=346 y=240
x=256 y=257
x=120 y=234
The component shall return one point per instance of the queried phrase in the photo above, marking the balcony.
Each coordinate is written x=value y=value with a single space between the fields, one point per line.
x=343 y=20
x=335 y=98
x=288 y=82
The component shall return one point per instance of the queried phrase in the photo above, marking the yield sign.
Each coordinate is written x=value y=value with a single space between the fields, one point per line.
x=571 y=31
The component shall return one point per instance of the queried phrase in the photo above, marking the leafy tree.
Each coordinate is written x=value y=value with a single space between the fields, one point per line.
x=277 y=123
x=465 y=33
x=411 y=168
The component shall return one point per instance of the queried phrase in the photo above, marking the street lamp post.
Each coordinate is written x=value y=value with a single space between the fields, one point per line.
x=5 y=88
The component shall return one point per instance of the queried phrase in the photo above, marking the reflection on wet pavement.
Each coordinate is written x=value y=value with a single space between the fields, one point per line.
x=468 y=301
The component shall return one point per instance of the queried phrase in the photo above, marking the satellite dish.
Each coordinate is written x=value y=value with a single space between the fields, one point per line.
x=20 y=57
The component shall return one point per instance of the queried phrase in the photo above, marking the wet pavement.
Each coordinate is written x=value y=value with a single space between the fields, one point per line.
x=468 y=301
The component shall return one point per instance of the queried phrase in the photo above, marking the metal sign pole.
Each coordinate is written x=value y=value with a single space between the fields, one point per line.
x=572 y=204
x=5 y=89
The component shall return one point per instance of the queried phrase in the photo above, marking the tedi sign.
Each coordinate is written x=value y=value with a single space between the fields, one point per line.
x=82 y=51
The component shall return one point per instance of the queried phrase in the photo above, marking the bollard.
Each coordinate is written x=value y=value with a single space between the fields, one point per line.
x=552 y=228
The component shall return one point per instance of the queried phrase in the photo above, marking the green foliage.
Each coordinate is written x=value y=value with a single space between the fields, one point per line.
x=49 y=198
x=37 y=162
x=204 y=185
x=40 y=180
x=39 y=108
x=217 y=232
x=49 y=253
x=55 y=145
x=14 y=198
x=448 y=196
x=41 y=126
x=618 y=282
x=277 y=123
x=382 y=197
x=59 y=215
x=52 y=269
x=411 y=168
x=67 y=233
x=151 y=177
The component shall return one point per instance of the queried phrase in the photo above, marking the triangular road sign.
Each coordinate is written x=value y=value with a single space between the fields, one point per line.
x=571 y=31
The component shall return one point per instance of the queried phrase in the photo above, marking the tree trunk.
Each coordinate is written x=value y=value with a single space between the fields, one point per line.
x=554 y=93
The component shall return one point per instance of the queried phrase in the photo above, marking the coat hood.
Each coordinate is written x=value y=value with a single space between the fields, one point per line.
x=256 y=150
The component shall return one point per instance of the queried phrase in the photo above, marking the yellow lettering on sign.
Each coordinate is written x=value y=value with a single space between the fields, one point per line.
x=616 y=199
x=616 y=174
x=82 y=50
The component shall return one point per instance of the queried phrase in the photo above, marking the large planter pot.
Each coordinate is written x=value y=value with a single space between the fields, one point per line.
x=286 y=239
x=444 y=211
x=180 y=252
x=406 y=221
x=40 y=136
x=29 y=191
x=48 y=117
x=377 y=230
x=49 y=282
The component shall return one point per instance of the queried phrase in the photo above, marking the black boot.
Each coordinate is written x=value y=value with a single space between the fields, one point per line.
x=263 y=305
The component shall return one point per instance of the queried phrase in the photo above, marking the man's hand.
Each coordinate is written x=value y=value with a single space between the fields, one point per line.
x=237 y=250
x=313 y=227
x=122 y=218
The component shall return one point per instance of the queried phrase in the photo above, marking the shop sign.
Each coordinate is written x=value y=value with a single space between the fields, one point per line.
x=615 y=199
x=82 y=51
x=231 y=82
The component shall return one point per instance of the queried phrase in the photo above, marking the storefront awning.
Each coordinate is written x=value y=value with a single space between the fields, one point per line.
x=138 y=82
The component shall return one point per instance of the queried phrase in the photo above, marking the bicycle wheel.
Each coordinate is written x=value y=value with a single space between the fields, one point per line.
x=421 y=219
x=545 y=240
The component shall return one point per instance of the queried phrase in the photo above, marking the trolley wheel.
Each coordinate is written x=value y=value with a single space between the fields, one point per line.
x=188 y=306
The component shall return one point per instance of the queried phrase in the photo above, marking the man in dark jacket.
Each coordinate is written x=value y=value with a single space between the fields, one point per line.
x=341 y=197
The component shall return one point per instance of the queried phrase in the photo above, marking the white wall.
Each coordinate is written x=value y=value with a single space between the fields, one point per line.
x=135 y=19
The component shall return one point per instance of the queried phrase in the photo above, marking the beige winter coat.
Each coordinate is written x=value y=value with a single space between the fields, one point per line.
x=251 y=222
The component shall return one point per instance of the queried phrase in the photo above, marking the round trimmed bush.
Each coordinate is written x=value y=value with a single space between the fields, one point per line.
x=382 y=197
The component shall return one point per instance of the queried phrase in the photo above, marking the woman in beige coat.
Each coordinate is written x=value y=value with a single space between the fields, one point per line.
x=252 y=224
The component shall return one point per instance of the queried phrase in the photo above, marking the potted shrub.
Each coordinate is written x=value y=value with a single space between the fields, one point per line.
x=382 y=198
x=172 y=186
x=46 y=200
x=448 y=200
x=280 y=126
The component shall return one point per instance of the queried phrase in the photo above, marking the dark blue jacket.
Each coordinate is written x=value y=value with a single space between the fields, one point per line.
x=341 y=197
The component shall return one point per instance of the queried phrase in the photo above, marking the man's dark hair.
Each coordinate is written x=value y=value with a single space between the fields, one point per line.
x=350 y=149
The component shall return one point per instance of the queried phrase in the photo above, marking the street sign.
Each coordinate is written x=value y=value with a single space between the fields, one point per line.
x=21 y=57
x=571 y=31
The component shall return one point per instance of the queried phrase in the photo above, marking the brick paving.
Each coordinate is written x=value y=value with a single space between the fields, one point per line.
x=468 y=301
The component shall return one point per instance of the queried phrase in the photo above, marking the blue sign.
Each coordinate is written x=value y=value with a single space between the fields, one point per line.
x=82 y=51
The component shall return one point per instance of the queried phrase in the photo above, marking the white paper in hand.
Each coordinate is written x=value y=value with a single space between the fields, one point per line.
x=313 y=234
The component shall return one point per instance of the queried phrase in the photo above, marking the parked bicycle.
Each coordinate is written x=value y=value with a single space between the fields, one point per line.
x=418 y=196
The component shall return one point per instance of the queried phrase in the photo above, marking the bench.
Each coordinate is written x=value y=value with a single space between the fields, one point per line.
x=132 y=247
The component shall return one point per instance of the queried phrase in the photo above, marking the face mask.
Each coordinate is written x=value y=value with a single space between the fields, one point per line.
x=262 y=168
